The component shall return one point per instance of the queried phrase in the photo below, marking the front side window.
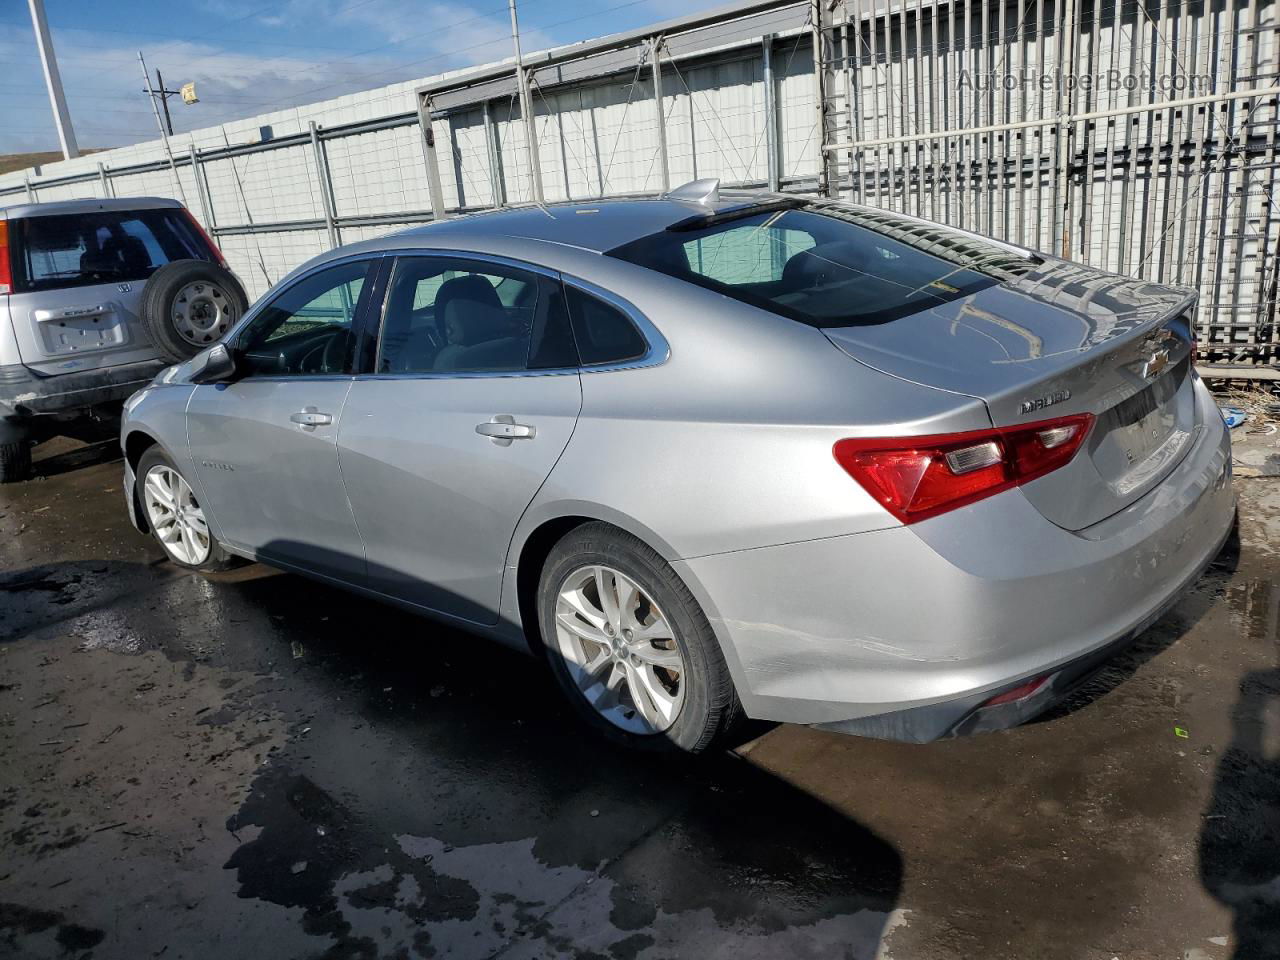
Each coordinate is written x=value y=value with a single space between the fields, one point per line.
x=827 y=265
x=452 y=315
x=308 y=328
x=82 y=249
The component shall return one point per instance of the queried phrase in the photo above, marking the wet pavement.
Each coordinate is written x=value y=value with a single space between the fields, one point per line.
x=253 y=764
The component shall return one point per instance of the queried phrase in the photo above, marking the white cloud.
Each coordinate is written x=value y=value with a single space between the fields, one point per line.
x=103 y=80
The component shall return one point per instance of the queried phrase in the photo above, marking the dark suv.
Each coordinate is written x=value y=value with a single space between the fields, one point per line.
x=96 y=296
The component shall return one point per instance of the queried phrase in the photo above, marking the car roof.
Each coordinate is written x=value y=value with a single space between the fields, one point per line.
x=595 y=225
x=64 y=207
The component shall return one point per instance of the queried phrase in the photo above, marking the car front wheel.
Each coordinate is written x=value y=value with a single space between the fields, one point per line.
x=175 y=516
x=630 y=646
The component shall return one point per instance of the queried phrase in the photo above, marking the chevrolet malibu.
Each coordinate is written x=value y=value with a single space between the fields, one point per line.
x=713 y=456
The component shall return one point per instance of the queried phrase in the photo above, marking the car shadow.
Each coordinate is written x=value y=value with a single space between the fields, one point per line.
x=65 y=461
x=1239 y=848
x=423 y=758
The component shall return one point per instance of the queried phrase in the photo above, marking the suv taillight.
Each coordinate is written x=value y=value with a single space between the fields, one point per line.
x=6 y=272
x=919 y=477
x=217 y=254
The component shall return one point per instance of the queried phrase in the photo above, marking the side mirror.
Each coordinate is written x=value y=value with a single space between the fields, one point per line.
x=212 y=365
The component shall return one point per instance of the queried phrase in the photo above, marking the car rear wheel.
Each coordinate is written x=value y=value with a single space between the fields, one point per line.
x=188 y=305
x=175 y=517
x=629 y=645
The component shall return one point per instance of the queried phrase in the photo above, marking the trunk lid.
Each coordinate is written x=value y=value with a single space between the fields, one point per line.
x=1059 y=340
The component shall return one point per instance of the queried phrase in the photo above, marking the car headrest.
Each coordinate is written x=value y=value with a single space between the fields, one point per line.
x=471 y=287
x=825 y=263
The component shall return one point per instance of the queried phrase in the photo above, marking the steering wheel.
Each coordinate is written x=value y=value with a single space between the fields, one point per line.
x=333 y=358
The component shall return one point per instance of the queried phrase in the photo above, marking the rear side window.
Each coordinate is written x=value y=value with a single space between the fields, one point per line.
x=604 y=333
x=450 y=315
x=82 y=249
x=827 y=266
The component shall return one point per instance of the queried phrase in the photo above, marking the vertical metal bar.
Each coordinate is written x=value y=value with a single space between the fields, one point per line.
x=893 y=116
x=876 y=114
x=103 y=182
x=1181 y=135
x=1037 y=172
x=953 y=114
x=770 y=111
x=1003 y=93
x=655 y=59
x=31 y=192
x=1020 y=71
x=828 y=163
x=326 y=196
x=904 y=96
x=1088 y=138
x=526 y=110
x=1066 y=130
x=497 y=187
x=202 y=194
x=935 y=125
x=982 y=115
x=429 y=154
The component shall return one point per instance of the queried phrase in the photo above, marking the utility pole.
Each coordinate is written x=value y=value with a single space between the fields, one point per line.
x=526 y=108
x=155 y=109
x=164 y=96
x=53 y=80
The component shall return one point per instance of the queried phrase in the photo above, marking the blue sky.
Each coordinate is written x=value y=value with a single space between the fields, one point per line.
x=249 y=57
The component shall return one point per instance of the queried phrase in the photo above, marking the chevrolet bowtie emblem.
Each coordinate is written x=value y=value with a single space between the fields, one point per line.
x=1158 y=360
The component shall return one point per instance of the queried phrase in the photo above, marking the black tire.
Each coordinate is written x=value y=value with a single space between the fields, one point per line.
x=711 y=707
x=15 y=461
x=218 y=558
x=220 y=302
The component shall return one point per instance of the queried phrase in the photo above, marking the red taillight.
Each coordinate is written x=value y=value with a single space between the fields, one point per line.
x=222 y=261
x=1020 y=692
x=6 y=273
x=919 y=477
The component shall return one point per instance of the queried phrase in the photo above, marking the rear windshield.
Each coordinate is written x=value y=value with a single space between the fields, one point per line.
x=77 y=250
x=827 y=266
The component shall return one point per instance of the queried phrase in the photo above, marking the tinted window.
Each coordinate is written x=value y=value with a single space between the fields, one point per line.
x=449 y=315
x=829 y=266
x=308 y=327
x=76 y=250
x=603 y=332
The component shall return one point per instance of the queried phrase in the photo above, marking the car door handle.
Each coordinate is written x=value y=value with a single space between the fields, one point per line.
x=503 y=428
x=308 y=418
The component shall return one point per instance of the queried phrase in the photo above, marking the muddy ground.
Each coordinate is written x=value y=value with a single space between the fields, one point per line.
x=255 y=765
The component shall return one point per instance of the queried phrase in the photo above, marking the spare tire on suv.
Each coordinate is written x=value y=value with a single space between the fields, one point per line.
x=188 y=305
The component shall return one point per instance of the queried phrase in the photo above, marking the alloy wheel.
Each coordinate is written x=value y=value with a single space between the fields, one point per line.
x=175 y=515
x=620 y=650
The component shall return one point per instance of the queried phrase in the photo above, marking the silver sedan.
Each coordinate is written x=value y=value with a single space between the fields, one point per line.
x=713 y=456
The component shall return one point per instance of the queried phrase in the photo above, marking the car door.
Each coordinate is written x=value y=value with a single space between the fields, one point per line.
x=264 y=444
x=474 y=394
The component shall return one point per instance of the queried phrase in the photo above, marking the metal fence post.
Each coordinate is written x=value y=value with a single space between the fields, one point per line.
x=1063 y=145
x=821 y=16
x=429 y=152
x=655 y=57
x=326 y=187
x=770 y=111
x=103 y=181
x=31 y=191
x=202 y=190
x=496 y=184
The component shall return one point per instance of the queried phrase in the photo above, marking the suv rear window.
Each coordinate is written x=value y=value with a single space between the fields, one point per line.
x=81 y=249
x=826 y=266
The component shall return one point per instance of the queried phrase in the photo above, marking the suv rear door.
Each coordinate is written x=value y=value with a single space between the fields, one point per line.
x=78 y=281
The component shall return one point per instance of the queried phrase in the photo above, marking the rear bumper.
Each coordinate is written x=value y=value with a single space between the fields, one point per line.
x=26 y=394
x=903 y=633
